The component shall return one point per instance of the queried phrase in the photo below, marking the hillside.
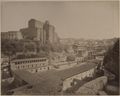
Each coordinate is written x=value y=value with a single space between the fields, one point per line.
x=111 y=60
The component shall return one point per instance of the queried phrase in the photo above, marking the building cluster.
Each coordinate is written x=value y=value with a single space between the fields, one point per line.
x=37 y=31
x=30 y=64
x=56 y=60
x=42 y=32
x=53 y=82
x=27 y=57
x=89 y=50
x=70 y=70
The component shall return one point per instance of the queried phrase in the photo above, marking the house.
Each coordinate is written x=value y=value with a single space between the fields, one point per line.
x=55 y=82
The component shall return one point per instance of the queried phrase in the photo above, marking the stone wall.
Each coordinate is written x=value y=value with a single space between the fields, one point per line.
x=93 y=87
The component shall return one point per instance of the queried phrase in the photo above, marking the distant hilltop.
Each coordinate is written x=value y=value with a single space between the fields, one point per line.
x=36 y=31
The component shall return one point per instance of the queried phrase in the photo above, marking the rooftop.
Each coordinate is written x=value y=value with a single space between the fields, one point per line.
x=51 y=80
x=24 y=59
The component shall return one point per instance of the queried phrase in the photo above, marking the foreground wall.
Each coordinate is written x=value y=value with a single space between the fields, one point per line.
x=67 y=82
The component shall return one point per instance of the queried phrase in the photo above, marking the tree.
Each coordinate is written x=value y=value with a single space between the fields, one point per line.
x=71 y=58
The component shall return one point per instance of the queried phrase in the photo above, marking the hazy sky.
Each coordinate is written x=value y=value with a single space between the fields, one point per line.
x=71 y=19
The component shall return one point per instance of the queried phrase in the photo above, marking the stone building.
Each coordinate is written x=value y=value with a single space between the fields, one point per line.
x=11 y=35
x=40 y=31
x=30 y=64
x=70 y=81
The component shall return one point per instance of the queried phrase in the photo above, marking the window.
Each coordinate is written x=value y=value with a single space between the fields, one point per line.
x=48 y=68
x=72 y=83
x=37 y=60
x=36 y=70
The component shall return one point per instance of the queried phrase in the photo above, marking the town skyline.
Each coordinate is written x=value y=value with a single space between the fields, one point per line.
x=60 y=48
x=88 y=20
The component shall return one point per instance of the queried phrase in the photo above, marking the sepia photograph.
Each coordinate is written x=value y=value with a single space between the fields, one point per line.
x=60 y=47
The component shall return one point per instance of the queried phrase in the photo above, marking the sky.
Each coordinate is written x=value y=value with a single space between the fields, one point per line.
x=72 y=19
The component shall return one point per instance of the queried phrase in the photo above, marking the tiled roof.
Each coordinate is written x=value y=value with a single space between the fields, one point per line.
x=49 y=82
x=26 y=76
x=27 y=59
